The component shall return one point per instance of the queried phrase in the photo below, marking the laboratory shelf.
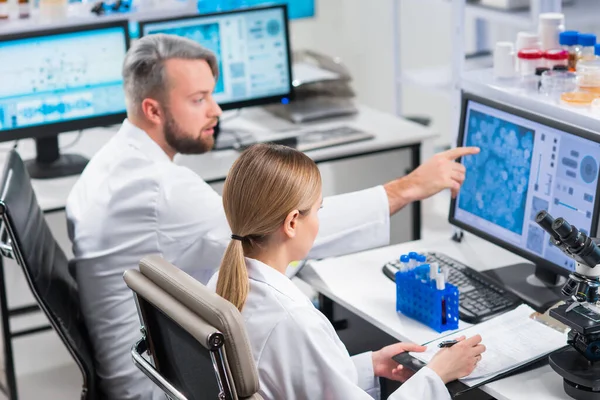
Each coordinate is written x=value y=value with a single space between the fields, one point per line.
x=578 y=13
x=439 y=78
x=483 y=83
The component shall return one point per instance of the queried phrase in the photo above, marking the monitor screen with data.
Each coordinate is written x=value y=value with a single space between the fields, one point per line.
x=252 y=50
x=297 y=8
x=62 y=79
x=527 y=163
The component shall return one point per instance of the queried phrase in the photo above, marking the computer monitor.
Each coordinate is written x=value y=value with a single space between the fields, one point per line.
x=297 y=8
x=252 y=49
x=527 y=163
x=58 y=80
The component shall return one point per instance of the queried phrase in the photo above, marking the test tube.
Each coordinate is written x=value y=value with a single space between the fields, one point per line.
x=413 y=259
x=440 y=282
x=421 y=259
x=404 y=263
x=433 y=271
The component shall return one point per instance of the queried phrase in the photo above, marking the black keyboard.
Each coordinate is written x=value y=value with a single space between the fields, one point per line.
x=481 y=297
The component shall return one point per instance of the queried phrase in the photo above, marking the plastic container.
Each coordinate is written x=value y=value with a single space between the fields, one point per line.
x=529 y=60
x=587 y=41
x=588 y=75
x=418 y=297
x=24 y=9
x=504 y=60
x=3 y=9
x=527 y=40
x=549 y=28
x=53 y=10
x=556 y=57
x=554 y=83
x=578 y=99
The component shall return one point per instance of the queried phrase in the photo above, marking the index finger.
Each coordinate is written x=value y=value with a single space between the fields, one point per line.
x=453 y=154
x=412 y=347
x=472 y=341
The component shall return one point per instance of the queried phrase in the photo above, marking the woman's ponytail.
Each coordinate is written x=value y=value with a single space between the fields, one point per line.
x=233 y=284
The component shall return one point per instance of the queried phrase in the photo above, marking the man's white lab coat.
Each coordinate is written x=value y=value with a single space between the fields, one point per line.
x=132 y=201
x=300 y=356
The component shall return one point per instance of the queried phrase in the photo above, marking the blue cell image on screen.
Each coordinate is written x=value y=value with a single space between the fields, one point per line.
x=496 y=183
x=296 y=8
x=208 y=35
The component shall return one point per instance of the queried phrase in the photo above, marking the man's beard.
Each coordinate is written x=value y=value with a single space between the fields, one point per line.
x=183 y=142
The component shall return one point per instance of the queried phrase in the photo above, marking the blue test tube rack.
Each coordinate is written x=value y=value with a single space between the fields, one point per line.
x=418 y=297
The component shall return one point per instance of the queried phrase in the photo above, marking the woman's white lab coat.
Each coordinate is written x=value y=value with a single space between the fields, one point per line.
x=299 y=355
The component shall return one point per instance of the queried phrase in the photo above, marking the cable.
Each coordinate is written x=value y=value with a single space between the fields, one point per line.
x=74 y=142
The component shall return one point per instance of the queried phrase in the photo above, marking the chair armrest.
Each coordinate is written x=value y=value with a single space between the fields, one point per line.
x=148 y=369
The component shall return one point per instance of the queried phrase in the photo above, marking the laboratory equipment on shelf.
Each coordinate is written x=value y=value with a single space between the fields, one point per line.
x=549 y=28
x=569 y=41
x=587 y=41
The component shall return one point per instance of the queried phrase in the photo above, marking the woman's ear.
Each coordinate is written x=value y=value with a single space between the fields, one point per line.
x=290 y=225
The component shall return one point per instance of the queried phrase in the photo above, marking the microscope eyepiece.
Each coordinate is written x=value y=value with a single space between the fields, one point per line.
x=545 y=220
x=562 y=227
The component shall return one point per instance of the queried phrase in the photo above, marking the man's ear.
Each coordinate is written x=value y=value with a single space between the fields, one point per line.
x=290 y=224
x=152 y=111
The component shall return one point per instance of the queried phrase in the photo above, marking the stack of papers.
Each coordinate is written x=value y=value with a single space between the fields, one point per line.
x=512 y=340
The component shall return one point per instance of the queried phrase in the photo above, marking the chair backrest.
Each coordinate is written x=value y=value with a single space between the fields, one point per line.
x=197 y=339
x=26 y=237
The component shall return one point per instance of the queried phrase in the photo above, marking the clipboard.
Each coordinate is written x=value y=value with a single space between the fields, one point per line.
x=458 y=388
x=516 y=317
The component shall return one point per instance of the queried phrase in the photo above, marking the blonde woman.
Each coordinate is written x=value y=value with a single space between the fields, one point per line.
x=272 y=198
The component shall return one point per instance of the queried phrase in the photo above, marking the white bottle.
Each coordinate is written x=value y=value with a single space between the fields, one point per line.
x=549 y=28
x=504 y=60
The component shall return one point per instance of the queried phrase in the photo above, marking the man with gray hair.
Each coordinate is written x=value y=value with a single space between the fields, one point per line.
x=133 y=200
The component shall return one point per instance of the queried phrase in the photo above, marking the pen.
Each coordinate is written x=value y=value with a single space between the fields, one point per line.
x=447 y=343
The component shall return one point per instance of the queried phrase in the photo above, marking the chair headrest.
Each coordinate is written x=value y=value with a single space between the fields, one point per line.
x=217 y=311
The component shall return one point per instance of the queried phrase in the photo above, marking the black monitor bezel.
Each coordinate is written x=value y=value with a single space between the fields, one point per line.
x=259 y=101
x=54 y=128
x=574 y=130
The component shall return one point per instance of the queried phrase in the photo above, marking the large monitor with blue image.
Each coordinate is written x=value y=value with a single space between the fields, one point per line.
x=58 y=80
x=527 y=163
x=252 y=49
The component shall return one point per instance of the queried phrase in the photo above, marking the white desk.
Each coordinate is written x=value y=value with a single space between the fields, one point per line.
x=357 y=283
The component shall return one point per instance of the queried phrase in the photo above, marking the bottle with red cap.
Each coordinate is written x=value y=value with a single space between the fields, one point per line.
x=556 y=57
x=529 y=60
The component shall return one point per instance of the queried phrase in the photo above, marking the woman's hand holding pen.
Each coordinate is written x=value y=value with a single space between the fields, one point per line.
x=458 y=360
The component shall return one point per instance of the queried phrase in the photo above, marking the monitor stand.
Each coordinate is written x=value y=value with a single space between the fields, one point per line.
x=537 y=286
x=49 y=163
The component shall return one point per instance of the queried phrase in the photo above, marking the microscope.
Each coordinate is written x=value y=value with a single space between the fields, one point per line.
x=579 y=364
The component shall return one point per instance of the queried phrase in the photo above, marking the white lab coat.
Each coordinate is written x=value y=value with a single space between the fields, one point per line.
x=131 y=201
x=299 y=355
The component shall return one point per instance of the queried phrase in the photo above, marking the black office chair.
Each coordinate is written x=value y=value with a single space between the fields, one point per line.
x=197 y=340
x=25 y=237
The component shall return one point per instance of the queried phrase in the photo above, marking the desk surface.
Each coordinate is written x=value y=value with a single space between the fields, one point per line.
x=357 y=283
x=390 y=132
